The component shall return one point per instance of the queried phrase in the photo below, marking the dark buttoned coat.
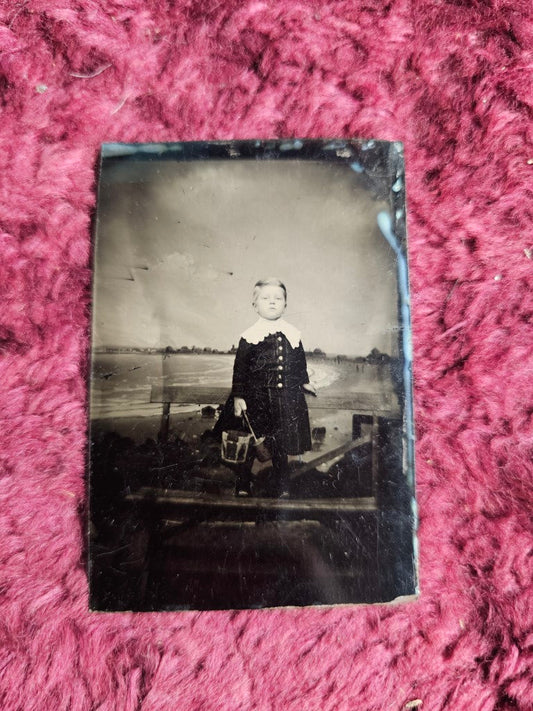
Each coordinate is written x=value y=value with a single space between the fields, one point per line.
x=270 y=376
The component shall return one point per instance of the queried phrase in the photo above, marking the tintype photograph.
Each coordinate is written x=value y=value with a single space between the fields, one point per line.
x=251 y=435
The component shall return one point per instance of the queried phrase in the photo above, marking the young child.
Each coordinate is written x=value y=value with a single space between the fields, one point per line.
x=269 y=381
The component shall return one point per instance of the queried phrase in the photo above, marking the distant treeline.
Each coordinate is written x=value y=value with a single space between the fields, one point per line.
x=374 y=357
x=168 y=350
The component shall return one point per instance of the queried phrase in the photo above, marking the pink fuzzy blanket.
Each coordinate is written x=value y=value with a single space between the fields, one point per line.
x=453 y=81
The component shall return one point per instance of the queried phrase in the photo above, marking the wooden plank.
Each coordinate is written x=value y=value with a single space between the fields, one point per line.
x=186 y=500
x=332 y=454
x=384 y=403
x=375 y=454
x=190 y=394
x=165 y=422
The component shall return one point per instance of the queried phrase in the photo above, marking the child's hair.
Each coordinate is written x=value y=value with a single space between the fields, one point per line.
x=269 y=281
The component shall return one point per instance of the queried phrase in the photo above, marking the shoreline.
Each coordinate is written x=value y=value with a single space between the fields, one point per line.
x=120 y=400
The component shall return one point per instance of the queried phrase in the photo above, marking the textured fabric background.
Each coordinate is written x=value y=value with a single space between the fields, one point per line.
x=451 y=79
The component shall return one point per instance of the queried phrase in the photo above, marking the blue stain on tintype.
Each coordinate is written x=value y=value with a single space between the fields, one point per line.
x=357 y=167
x=398 y=145
x=335 y=145
x=385 y=225
x=398 y=185
x=155 y=147
x=110 y=150
x=295 y=145
x=113 y=150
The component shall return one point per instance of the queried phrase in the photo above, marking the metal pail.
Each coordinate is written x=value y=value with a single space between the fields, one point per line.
x=235 y=445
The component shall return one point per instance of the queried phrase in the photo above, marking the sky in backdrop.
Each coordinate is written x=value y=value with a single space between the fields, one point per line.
x=180 y=245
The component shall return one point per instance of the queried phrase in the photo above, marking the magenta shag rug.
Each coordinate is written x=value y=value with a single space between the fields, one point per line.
x=454 y=82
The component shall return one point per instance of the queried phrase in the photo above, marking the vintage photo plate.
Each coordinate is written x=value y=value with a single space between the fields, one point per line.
x=186 y=509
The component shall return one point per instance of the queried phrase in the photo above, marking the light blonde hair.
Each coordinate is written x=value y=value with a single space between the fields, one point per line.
x=269 y=281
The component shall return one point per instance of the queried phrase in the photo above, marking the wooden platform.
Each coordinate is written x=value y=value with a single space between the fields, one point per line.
x=196 y=551
x=362 y=405
x=176 y=503
x=364 y=402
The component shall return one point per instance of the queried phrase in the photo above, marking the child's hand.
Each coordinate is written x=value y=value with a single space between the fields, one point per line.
x=239 y=406
x=310 y=388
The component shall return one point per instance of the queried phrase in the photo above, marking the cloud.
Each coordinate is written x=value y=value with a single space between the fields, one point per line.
x=208 y=231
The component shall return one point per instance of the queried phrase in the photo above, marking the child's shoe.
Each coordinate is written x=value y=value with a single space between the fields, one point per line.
x=284 y=492
x=242 y=489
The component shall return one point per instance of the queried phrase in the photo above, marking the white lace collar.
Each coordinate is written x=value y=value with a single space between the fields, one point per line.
x=263 y=328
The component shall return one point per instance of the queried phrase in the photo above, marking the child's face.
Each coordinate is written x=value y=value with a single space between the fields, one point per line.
x=270 y=303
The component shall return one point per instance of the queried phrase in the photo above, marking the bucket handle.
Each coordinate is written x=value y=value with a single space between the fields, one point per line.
x=244 y=414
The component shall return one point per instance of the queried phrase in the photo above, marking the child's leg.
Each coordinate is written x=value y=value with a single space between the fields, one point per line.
x=243 y=480
x=280 y=465
x=243 y=474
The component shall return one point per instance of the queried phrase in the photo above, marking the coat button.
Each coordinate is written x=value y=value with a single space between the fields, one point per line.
x=279 y=338
x=280 y=367
x=280 y=357
x=280 y=385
